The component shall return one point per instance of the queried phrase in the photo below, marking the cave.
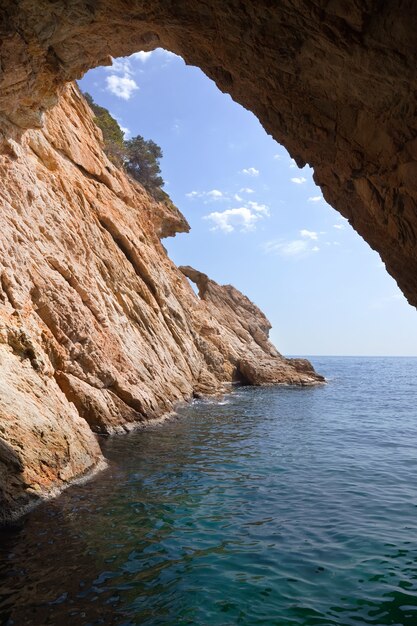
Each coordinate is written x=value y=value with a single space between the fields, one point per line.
x=334 y=82
x=101 y=332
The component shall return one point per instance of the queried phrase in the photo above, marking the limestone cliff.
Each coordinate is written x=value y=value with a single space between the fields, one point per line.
x=99 y=330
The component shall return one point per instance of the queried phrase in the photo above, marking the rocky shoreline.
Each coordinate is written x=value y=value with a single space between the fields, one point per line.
x=99 y=330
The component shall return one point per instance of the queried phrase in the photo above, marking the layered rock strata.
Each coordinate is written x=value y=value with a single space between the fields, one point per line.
x=99 y=330
x=334 y=81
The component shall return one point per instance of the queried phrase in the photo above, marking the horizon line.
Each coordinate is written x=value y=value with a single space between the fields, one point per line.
x=356 y=356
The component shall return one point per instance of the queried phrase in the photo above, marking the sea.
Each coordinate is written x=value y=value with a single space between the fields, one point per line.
x=271 y=506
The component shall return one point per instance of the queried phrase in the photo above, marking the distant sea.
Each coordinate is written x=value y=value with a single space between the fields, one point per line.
x=273 y=507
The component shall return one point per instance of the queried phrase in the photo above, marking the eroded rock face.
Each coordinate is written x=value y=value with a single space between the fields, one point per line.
x=240 y=331
x=334 y=81
x=99 y=330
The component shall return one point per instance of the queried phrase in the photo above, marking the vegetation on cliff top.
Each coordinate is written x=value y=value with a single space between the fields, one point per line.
x=137 y=156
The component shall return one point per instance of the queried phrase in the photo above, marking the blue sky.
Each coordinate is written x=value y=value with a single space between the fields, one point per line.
x=257 y=221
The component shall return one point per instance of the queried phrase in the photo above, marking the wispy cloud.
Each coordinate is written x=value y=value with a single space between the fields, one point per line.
x=207 y=196
x=215 y=193
x=240 y=218
x=294 y=248
x=309 y=234
x=278 y=157
x=315 y=198
x=298 y=180
x=339 y=226
x=250 y=171
x=293 y=164
x=246 y=190
x=259 y=208
x=121 y=86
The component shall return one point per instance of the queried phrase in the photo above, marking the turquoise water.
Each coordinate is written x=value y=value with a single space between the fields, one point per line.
x=276 y=506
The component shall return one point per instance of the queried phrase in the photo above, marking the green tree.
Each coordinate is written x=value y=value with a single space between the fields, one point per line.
x=137 y=156
x=113 y=136
x=142 y=163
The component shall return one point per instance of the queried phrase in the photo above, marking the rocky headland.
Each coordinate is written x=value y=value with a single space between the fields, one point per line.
x=99 y=330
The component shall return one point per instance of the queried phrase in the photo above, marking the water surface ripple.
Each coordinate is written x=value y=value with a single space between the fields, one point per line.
x=275 y=506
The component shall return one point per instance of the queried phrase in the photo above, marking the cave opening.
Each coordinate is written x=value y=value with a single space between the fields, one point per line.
x=256 y=219
x=99 y=330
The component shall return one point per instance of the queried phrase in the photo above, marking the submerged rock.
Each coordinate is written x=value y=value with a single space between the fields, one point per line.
x=99 y=330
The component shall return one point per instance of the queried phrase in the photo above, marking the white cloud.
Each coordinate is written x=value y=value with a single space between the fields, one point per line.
x=250 y=171
x=246 y=190
x=278 y=157
x=215 y=193
x=227 y=221
x=309 y=234
x=259 y=208
x=315 y=198
x=293 y=164
x=142 y=55
x=298 y=180
x=339 y=226
x=207 y=196
x=295 y=248
x=249 y=212
x=120 y=66
x=121 y=86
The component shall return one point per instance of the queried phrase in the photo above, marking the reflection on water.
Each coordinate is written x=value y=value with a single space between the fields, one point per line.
x=276 y=507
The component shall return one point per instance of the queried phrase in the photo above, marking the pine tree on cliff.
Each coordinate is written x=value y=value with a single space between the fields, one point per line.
x=137 y=156
x=143 y=164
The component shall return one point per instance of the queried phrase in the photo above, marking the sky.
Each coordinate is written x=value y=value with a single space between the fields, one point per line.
x=257 y=221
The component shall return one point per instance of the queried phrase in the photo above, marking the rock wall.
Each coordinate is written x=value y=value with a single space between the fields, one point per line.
x=99 y=330
x=334 y=81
